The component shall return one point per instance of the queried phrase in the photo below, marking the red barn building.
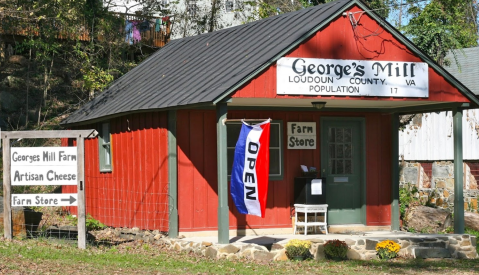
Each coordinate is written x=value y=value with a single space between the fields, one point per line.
x=163 y=155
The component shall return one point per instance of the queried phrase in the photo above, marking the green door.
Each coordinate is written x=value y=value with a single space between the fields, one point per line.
x=343 y=166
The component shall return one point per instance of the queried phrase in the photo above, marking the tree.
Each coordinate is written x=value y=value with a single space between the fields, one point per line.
x=75 y=48
x=442 y=26
x=266 y=8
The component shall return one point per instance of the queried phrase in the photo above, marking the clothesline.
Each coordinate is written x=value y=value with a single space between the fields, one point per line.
x=134 y=28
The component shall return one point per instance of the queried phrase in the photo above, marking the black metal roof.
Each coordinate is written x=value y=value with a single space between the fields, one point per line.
x=205 y=69
x=202 y=68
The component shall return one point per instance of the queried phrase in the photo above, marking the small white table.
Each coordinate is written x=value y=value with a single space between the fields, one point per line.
x=311 y=208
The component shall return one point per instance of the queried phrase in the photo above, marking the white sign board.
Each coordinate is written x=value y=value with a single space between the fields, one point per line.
x=301 y=135
x=43 y=166
x=337 y=77
x=44 y=199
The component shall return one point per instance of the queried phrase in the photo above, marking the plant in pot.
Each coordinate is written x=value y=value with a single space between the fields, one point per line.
x=336 y=250
x=387 y=249
x=297 y=249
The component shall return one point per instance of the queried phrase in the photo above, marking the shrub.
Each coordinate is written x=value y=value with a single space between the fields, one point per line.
x=90 y=222
x=408 y=196
x=297 y=247
x=387 y=249
x=335 y=249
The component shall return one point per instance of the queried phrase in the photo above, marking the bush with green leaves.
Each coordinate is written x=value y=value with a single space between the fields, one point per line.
x=297 y=248
x=336 y=249
x=408 y=196
x=90 y=222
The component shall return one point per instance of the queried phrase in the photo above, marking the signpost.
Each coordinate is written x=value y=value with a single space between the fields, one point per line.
x=45 y=166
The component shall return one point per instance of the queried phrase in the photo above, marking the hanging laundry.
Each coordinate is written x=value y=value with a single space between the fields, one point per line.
x=129 y=32
x=136 y=31
x=157 y=25
x=164 y=20
x=144 y=26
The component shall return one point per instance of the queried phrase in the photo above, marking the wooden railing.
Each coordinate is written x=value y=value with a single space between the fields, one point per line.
x=154 y=35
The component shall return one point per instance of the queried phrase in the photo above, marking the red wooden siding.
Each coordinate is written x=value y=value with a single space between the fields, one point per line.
x=197 y=173
x=338 y=41
x=378 y=169
x=197 y=182
x=135 y=193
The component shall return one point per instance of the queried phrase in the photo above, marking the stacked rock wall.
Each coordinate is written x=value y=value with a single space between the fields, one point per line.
x=438 y=187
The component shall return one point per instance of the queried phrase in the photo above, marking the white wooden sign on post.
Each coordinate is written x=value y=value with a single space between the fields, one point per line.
x=45 y=166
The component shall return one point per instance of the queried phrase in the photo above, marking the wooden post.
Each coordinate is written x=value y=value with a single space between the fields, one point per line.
x=222 y=160
x=7 y=189
x=81 y=192
x=172 y=176
x=395 y=171
x=458 y=173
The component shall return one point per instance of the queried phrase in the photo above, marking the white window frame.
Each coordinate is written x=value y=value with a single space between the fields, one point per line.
x=231 y=149
x=104 y=147
x=233 y=7
x=192 y=7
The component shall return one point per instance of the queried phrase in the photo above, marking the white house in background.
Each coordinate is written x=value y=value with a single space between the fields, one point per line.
x=419 y=142
x=426 y=144
x=231 y=12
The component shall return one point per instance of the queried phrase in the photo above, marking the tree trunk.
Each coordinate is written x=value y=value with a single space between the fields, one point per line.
x=28 y=86
x=212 y=16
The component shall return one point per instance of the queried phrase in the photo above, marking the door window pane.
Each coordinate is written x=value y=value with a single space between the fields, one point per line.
x=340 y=150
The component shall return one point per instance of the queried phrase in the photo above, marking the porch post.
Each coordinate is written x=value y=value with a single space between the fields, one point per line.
x=223 y=209
x=395 y=171
x=172 y=176
x=458 y=173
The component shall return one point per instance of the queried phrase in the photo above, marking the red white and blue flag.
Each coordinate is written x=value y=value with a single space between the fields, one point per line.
x=250 y=174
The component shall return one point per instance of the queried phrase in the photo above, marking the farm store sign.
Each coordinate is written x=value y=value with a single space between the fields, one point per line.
x=301 y=135
x=335 y=77
x=43 y=165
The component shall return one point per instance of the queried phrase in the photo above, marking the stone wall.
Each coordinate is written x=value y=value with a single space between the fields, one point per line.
x=430 y=246
x=439 y=188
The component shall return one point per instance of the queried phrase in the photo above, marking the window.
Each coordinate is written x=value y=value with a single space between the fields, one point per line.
x=192 y=7
x=275 y=148
x=104 y=147
x=229 y=5
x=340 y=150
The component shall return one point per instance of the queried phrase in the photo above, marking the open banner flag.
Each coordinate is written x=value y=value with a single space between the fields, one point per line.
x=250 y=174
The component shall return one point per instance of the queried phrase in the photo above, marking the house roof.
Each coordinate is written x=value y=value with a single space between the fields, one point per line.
x=205 y=69
x=175 y=75
x=468 y=70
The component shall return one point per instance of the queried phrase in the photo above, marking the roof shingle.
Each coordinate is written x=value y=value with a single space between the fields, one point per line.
x=199 y=69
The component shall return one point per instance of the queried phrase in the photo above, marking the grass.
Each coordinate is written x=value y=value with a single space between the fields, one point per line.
x=44 y=256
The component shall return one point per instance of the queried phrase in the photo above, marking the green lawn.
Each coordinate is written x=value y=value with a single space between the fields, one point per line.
x=42 y=256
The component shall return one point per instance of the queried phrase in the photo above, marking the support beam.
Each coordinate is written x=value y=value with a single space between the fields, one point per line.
x=394 y=171
x=7 y=189
x=172 y=176
x=222 y=160
x=458 y=173
x=81 y=224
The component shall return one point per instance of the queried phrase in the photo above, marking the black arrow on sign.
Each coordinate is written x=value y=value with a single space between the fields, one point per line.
x=71 y=199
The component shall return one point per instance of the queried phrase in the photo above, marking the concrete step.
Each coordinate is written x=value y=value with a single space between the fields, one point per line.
x=431 y=252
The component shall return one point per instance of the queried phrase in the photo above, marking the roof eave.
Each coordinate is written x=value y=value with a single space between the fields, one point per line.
x=283 y=52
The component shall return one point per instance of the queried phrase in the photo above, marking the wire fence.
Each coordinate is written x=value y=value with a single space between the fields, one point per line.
x=114 y=215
